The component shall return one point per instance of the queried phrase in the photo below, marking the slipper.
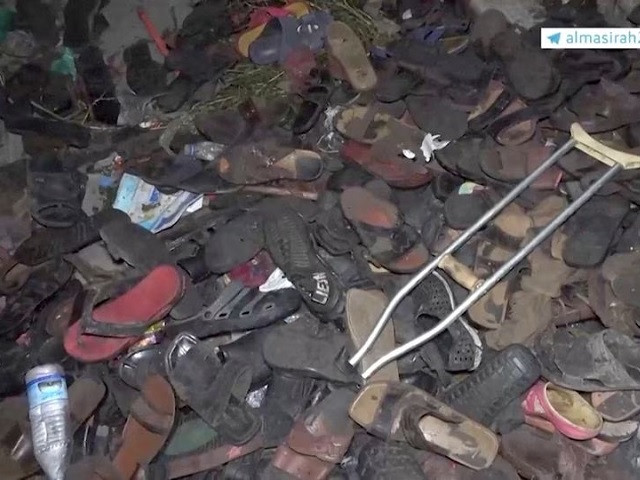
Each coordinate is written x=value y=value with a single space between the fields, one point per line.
x=611 y=312
x=224 y=127
x=362 y=310
x=56 y=194
x=318 y=440
x=437 y=116
x=396 y=83
x=133 y=305
x=297 y=9
x=283 y=35
x=466 y=205
x=619 y=270
x=364 y=124
x=190 y=435
x=20 y=306
x=238 y=308
x=485 y=393
x=315 y=102
x=214 y=390
x=532 y=74
x=382 y=229
x=237 y=242
x=330 y=229
x=49 y=243
x=138 y=365
x=591 y=231
x=13 y=275
x=540 y=455
x=616 y=406
x=147 y=428
x=290 y=245
x=598 y=362
x=565 y=409
x=396 y=170
x=402 y=412
x=598 y=108
x=509 y=228
x=310 y=349
x=346 y=50
x=133 y=312
x=163 y=170
x=261 y=162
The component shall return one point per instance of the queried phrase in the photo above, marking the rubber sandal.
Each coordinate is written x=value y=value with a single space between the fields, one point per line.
x=547 y=275
x=602 y=107
x=147 y=427
x=315 y=101
x=284 y=35
x=163 y=170
x=261 y=162
x=591 y=231
x=310 y=349
x=437 y=116
x=618 y=432
x=362 y=309
x=238 y=308
x=13 y=276
x=289 y=243
x=619 y=271
x=93 y=348
x=318 y=440
x=364 y=124
x=381 y=227
x=380 y=460
x=603 y=361
x=426 y=423
x=466 y=205
x=133 y=312
x=235 y=243
x=437 y=466
x=485 y=393
x=540 y=455
x=20 y=306
x=136 y=366
x=297 y=9
x=565 y=409
x=611 y=312
x=214 y=390
x=49 y=243
x=395 y=83
x=331 y=230
x=396 y=170
x=616 y=406
x=515 y=124
x=225 y=127
x=56 y=195
x=532 y=75
x=346 y=50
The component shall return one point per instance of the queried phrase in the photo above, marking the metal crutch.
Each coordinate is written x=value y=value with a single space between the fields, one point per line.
x=580 y=139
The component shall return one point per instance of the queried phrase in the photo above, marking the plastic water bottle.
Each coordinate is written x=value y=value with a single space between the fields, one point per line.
x=204 y=150
x=49 y=416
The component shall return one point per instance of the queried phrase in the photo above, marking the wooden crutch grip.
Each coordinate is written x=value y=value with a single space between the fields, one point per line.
x=460 y=273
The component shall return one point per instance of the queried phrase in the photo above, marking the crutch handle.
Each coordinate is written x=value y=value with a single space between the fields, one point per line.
x=601 y=152
x=460 y=273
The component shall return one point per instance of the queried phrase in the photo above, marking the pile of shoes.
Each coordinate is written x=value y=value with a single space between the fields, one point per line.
x=207 y=285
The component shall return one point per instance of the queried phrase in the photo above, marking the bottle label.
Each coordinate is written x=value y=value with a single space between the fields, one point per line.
x=46 y=389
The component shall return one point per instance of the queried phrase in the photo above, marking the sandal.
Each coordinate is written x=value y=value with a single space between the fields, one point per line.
x=347 y=52
x=214 y=390
x=616 y=406
x=382 y=229
x=402 y=412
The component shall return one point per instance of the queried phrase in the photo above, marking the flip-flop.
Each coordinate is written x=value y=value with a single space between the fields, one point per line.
x=362 y=310
x=397 y=171
x=382 y=229
x=616 y=406
x=591 y=231
x=238 y=308
x=603 y=361
x=145 y=304
x=620 y=271
x=401 y=412
x=437 y=116
x=147 y=428
x=499 y=380
x=297 y=9
x=132 y=313
x=364 y=124
x=136 y=366
x=265 y=161
x=290 y=245
x=318 y=440
x=214 y=390
x=347 y=51
x=565 y=409
x=466 y=205
x=387 y=460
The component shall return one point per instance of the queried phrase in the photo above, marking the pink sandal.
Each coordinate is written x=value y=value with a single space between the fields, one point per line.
x=564 y=409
